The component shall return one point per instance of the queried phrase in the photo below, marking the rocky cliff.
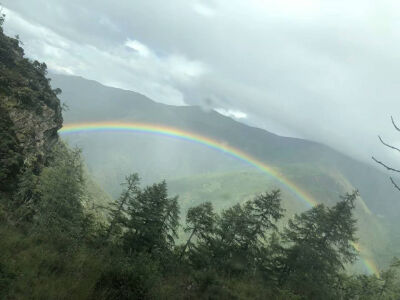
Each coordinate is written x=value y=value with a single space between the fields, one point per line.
x=30 y=113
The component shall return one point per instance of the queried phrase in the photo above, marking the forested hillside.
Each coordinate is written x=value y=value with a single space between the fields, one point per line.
x=60 y=239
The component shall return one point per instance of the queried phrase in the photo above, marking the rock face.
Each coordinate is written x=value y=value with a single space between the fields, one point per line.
x=36 y=133
x=30 y=113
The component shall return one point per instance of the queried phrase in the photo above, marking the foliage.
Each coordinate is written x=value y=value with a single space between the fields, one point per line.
x=22 y=80
x=200 y=222
x=10 y=157
x=384 y=286
x=237 y=254
x=320 y=244
x=60 y=192
x=128 y=278
x=144 y=220
x=119 y=209
x=6 y=278
x=153 y=221
x=25 y=94
x=240 y=237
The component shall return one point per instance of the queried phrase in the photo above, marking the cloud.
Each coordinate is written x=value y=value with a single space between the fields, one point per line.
x=131 y=65
x=204 y=10
x=60 y=69
x=184 y=70
x=137 y=46
x=322 y=70
x=237 y=114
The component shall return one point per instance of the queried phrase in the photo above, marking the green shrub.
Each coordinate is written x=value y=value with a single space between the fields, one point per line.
x=129 y=278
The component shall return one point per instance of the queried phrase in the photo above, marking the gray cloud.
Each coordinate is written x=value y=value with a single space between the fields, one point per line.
x=322 y=70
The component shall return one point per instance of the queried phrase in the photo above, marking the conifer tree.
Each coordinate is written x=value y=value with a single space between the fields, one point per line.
x=200 y=222
x=320 y=244
x=153 y=219
x=118 y=211
x=241 y=234
x=59 y=192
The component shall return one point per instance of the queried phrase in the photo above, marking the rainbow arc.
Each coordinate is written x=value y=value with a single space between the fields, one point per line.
x=226 y=149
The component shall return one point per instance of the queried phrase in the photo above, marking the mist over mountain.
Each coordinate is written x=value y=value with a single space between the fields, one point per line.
x=89 y=101
x=197 y=172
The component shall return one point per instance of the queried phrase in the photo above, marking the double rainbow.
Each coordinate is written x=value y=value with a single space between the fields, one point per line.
x=210 y=143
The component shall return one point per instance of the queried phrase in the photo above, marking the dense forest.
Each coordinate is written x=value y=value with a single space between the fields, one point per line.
x=59 y=242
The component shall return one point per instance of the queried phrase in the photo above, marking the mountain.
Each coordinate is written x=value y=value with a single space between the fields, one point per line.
x=320 y=170
x=89 y=101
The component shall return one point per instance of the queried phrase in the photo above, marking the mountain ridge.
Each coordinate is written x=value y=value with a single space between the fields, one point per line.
x=90 y=101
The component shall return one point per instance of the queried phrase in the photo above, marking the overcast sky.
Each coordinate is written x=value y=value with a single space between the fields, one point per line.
x=324 y=70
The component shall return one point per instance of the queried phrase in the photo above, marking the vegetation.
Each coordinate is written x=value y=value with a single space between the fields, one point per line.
x=56 y=246
x=64 y=252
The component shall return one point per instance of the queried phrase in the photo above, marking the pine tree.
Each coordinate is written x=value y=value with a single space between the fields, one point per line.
x=153 y=219
x=200 y=222
x=59 y=192
x=119 y=209
x=320 y=244
x=241 y=233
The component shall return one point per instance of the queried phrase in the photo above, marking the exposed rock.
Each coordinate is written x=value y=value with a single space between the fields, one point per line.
x=36 y=133
x=30 y=111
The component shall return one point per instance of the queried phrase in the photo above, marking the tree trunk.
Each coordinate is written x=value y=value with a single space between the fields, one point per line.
x=187 y=243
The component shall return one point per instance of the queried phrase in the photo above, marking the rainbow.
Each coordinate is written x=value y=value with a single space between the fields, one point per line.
x=191 y=137
x=371 y=266
x=210 y=143
x=366 y=259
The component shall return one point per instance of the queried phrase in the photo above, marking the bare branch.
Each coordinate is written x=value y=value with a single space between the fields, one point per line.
x=387 y=145
x=394 y=183
x=386 y=166
x=394 y=124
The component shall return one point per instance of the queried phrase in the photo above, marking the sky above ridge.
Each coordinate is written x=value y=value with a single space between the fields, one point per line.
x=326 y=70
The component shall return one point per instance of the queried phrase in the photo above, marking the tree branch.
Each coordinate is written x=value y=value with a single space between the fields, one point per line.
x=386 y=166
x=394 y=124
x=394 y=183
x=387 y=145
